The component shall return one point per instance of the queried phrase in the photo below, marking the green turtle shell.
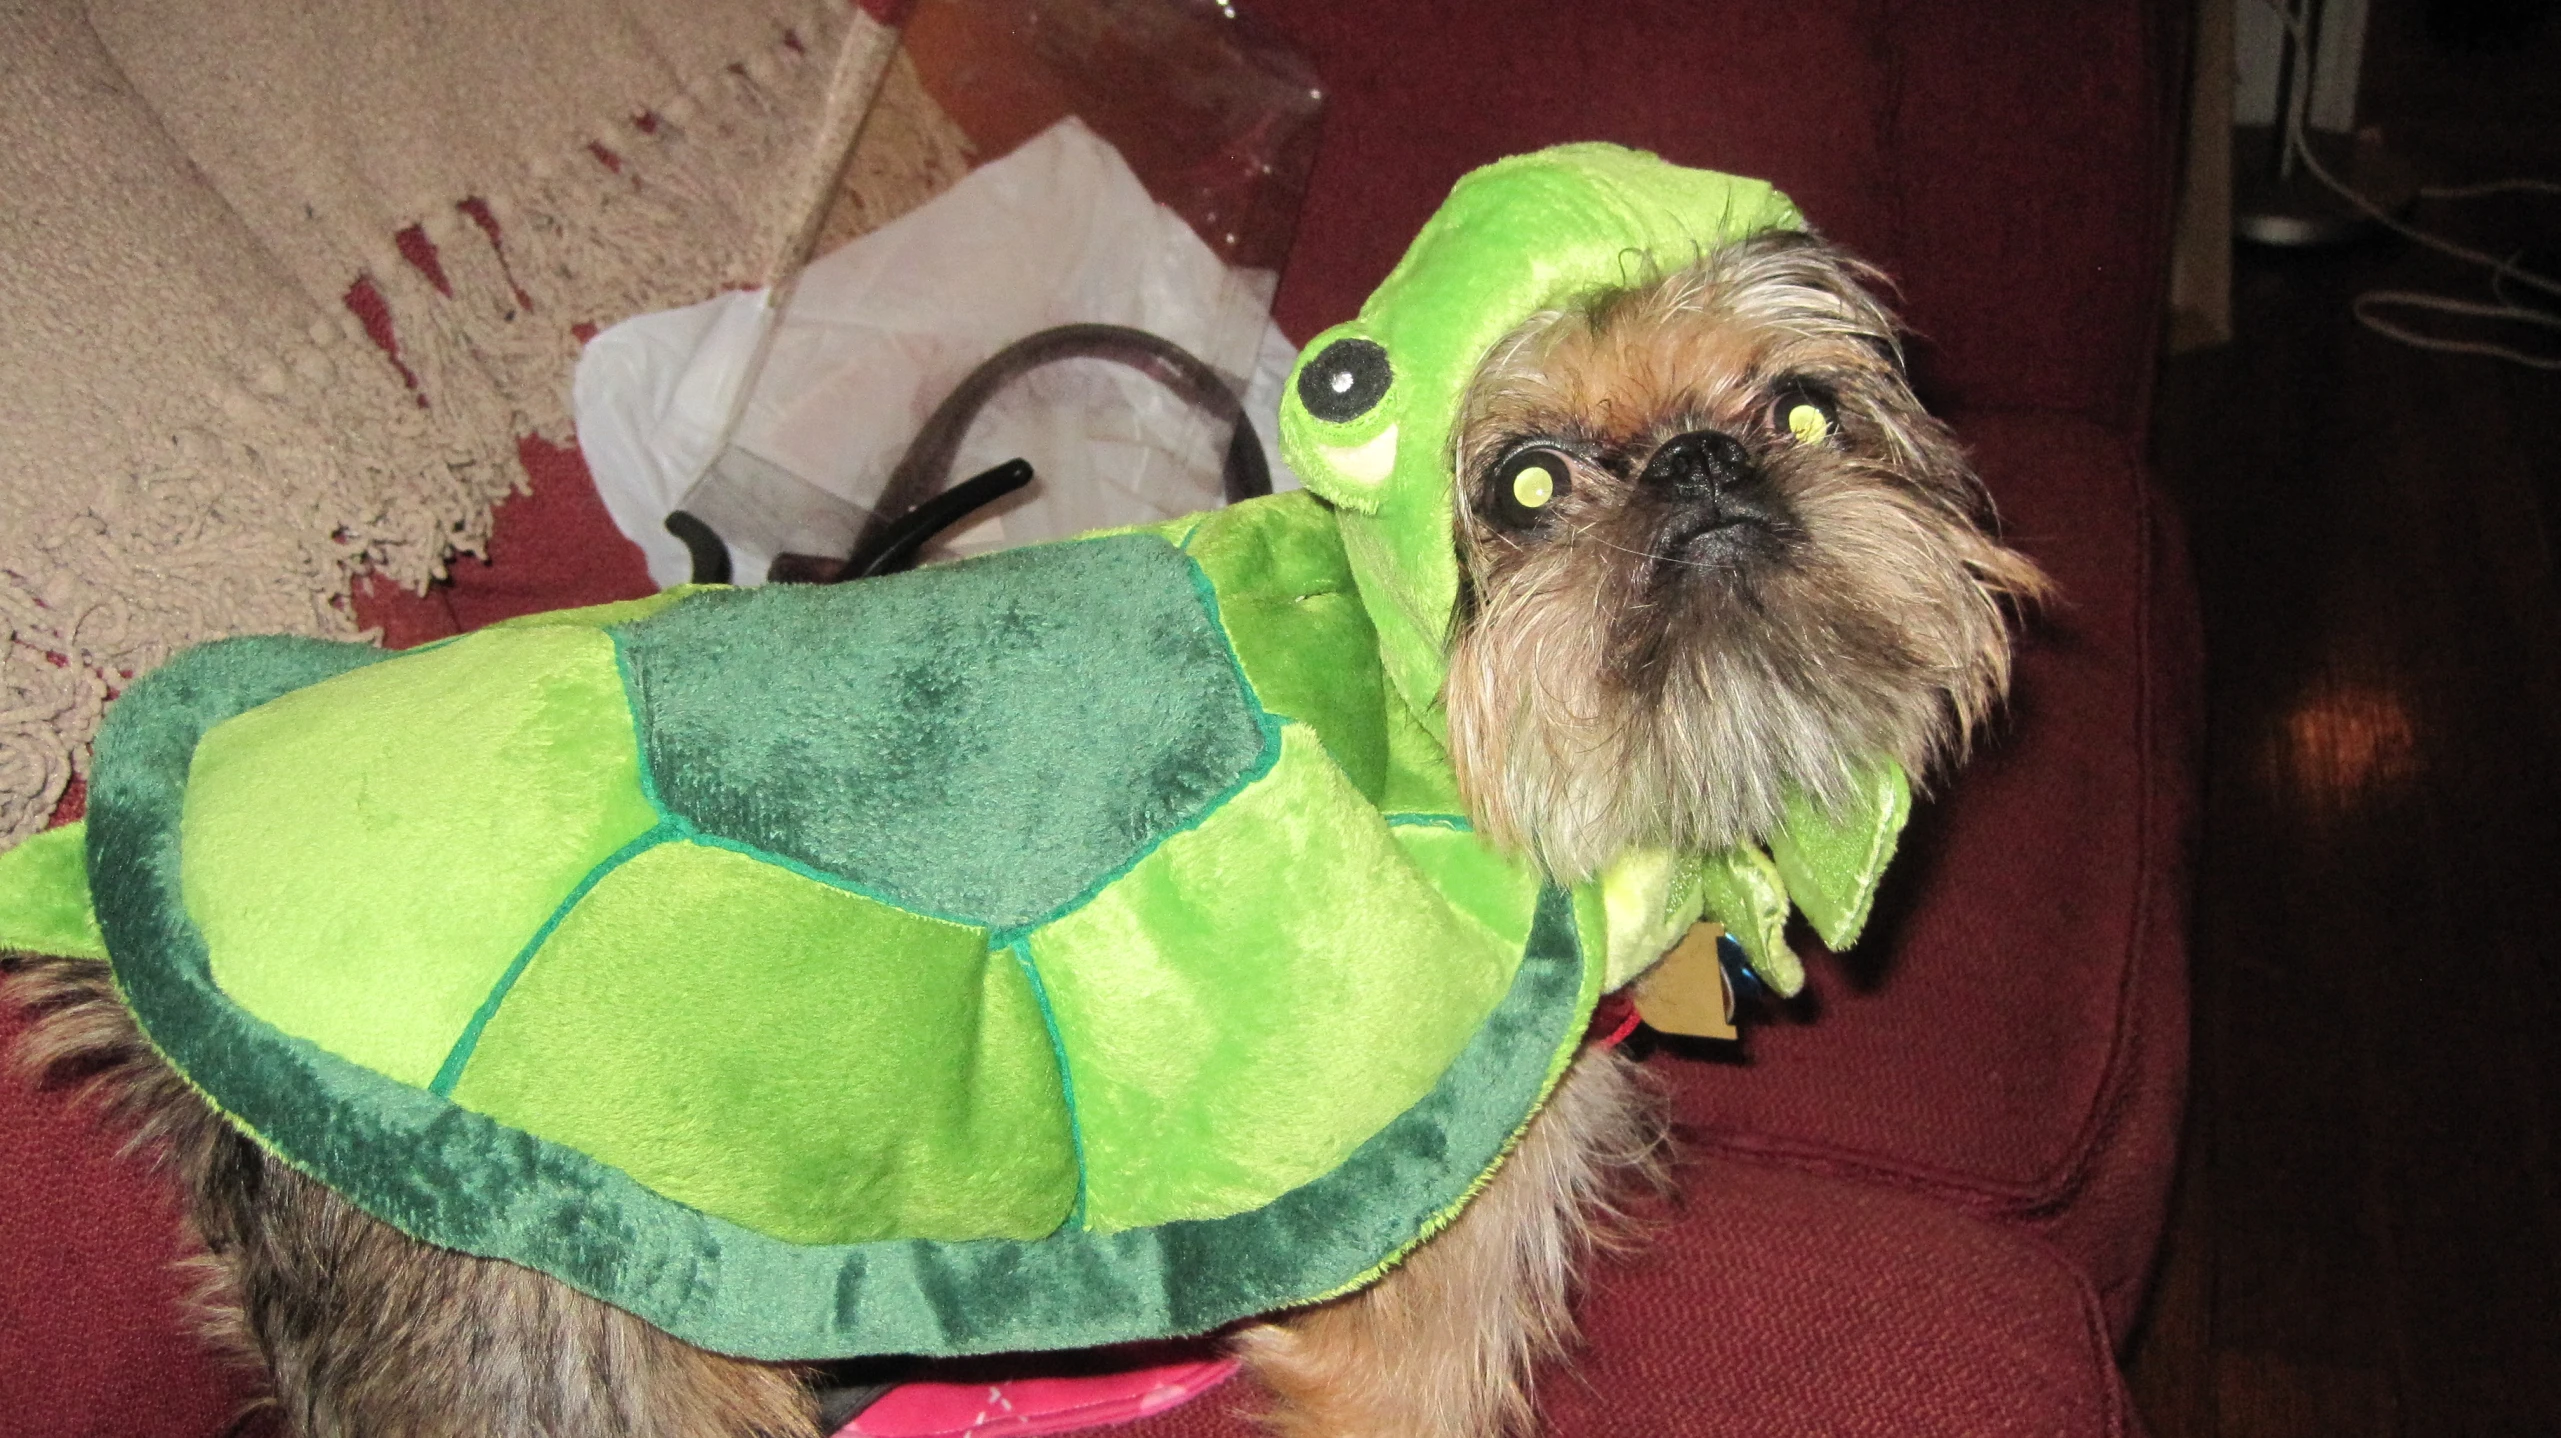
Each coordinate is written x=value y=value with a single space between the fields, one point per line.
x=1066 y=947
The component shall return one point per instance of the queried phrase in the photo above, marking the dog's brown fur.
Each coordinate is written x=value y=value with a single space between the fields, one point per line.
x=1619 y=677
x=366 y=1332
x=1445 y=1342
x=1616 y=683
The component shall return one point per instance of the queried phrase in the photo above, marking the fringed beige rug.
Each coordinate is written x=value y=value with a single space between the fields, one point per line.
x=197 y=435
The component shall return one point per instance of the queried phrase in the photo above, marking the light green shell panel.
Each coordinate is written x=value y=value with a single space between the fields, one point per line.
x=1014 y=954
x=506 y=772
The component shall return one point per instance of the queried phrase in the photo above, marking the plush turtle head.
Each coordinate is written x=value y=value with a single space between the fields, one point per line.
x=1368 y=417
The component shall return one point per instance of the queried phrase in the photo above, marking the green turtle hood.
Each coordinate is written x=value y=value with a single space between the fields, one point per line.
x=1367 y=418
x=1368 y=422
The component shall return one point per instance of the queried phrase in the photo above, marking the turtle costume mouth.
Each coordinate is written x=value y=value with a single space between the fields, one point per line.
x=1073 y=946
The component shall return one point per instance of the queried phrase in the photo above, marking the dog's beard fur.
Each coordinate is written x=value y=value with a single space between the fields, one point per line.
x=1622 y=678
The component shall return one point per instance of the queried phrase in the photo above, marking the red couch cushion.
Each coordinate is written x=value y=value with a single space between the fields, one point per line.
x=2011 y=1036
x=2010 y=164
x=1780 y=1301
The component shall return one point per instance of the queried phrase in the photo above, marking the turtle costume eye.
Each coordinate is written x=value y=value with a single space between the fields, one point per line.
x=1526 y=485
x=1345 y=381
x=1806 y=411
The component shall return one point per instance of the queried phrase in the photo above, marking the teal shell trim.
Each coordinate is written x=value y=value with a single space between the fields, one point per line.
x=461 y=1180
x=458 y=1057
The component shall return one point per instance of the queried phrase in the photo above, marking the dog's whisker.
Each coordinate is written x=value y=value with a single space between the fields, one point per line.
x=1655 y=556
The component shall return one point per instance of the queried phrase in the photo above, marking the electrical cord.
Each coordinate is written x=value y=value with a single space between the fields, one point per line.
x=2368 y=306
x=2492 y=187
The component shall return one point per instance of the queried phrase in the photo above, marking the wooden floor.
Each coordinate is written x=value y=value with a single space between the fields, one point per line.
x=2368 y=1230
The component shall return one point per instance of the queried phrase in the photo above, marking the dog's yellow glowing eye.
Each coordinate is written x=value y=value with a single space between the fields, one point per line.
x=1522 y=487
x=1805 y=410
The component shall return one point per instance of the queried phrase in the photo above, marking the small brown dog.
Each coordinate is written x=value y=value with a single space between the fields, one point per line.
x=1744 y=557
x=1713 y=549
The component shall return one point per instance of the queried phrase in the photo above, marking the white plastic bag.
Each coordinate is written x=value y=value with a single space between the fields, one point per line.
x=874 y=336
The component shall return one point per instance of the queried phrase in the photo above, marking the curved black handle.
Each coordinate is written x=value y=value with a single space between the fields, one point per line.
x=929 y=457
x=710 y=554
x=896 y=547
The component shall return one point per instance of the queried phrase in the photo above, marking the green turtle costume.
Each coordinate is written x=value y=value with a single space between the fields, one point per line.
x=1075 y=945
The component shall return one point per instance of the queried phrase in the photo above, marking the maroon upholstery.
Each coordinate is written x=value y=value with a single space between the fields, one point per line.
x=1927 y=1201
x=2024 y=984
x=1777 y=1301
x=1791 y=1302
x=2010 y=164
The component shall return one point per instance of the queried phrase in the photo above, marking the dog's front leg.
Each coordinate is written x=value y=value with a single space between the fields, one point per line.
x=1444 y=1343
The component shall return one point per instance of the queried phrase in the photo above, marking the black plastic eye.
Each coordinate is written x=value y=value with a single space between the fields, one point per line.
x=1526 y=485
x=1345 y=380
x=1806 y=411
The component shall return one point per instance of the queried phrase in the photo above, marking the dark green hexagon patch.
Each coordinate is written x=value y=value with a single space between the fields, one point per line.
x=987 y=741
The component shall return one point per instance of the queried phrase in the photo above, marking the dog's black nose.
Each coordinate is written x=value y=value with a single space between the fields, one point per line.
x=1706 y=466
x=1699 y=463
x=1725 y=517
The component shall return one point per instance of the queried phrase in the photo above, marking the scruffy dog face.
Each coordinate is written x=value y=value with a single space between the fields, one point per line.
x=1714 y=549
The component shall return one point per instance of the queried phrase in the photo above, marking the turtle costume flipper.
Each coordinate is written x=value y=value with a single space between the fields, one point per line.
x=1076 y=945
